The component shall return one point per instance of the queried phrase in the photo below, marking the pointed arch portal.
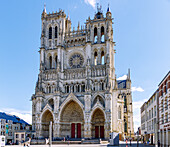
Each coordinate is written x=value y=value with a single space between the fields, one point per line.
x=98 y=124
x=72 y=120
x=46 y=118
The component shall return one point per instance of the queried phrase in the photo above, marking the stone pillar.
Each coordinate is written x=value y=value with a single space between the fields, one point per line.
x=56 y=128
x=87 y=100
x=56 y=103
x=87 y=124
x=39 y=104
x=107 y=125
x=108 y=102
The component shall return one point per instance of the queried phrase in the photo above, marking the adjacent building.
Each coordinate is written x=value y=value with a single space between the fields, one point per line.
x=155 y=115
x=9 y=125
x=149 y=113
x=77 y=89
x=164 y=110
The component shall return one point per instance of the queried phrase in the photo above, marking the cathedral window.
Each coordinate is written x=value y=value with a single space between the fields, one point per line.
x=56 y=32
x=119 y=112
x=95 y=35
x=49 y=89
x=73 y=89
x=166 y=88
x=102 y=86
x=95 y=58
x=125 y=126
x=50 y=62
x=125 y=101
x=83 y=88
x=78 y=88
x=50 y=33
x=102 y=34
x=102 y=57
x=56 y=62
x=67 y=89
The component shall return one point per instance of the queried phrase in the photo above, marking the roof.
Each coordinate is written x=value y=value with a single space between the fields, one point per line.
x=164 y=78
x=121 y=84
x=14 y=118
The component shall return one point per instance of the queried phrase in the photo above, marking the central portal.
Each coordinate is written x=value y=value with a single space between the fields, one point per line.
x=72 y=121
x=76 y=130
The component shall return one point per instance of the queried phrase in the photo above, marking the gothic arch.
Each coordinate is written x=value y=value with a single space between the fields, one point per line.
x=47 y=107
x=98 y=122
x=71 y=97
x=72 y=118
x=46 y=118
x=97 y=106
x=100 y=99
x=98 y=94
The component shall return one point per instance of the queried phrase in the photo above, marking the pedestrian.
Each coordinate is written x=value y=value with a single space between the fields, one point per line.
x=158 y=143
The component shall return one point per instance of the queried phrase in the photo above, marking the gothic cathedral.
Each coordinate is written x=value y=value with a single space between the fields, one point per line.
x=77 y=88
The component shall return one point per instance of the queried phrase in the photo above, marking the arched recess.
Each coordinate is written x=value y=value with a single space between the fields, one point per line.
x=102 y=34
x=100 y=99
x=102 y=58
x=45 y=122
x=95 y=35
x=95 y=58
x=50 y=62
x=72 y=120
x=119 y=113
x=97 y=122
x=50 y=32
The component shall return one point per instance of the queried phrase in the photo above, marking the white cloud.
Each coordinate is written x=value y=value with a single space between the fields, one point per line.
x=124 y=77
x=91 y=2
x=139 y=89
x=136 y=113
x=25 y=115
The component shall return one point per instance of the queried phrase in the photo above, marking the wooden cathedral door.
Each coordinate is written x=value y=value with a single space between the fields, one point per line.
x=96 y=131
x=101 y=131
x=79 y=130
x=73 y=130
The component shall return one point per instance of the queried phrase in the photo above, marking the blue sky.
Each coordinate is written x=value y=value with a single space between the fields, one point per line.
x=141 y=33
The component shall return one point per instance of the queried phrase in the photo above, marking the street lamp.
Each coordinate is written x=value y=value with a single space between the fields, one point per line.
x=138 y=137
x=130 y=137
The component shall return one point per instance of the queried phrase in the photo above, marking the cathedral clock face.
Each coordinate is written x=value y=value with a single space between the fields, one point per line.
x=76 y=60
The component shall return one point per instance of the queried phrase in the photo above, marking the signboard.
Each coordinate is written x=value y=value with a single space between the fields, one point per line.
x=2 y=141
x=7 y=127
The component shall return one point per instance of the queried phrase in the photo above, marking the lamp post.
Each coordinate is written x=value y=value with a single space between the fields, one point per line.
x=130 y=137
x=138 y=137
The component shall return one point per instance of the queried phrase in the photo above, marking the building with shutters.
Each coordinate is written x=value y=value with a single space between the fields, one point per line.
x=77 y=88
x=164 y=110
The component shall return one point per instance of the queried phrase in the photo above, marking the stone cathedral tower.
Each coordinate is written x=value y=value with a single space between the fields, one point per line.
x=77 y=88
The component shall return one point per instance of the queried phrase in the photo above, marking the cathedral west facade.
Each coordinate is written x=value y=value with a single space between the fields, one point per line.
x=77 y=88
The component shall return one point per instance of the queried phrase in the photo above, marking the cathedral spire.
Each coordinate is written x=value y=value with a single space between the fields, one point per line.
x=44 y=10
x=128 y=76
x=68 y=16
x=108 y=8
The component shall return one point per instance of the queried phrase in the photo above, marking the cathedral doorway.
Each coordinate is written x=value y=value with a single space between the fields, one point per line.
x=46 y=118
x=72 y=121
x=98 y=124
